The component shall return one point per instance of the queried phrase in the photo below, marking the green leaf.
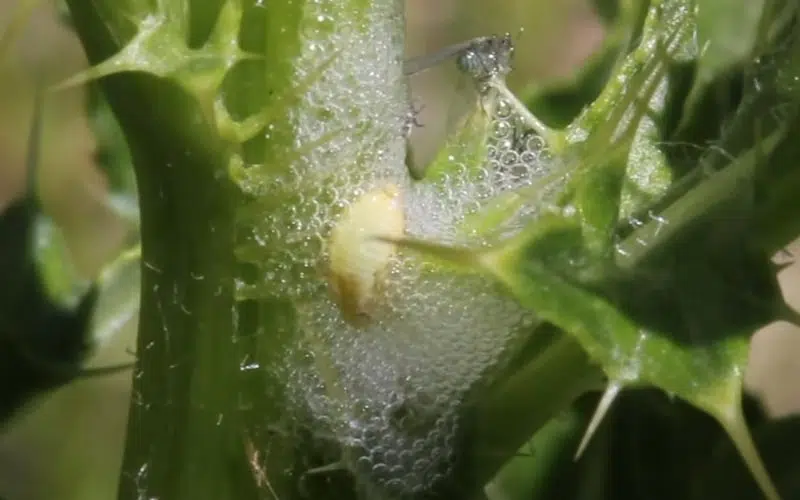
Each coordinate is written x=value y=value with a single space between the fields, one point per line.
x=607 y=10
x=466 y=147
x=54 y=262
x=113 y=155
x=43 y=343
x=551 y=373
x=238 y=153
x=673 y=305
x=663 y=319
x=540 y=468
x=119 y=287
x=727 y=33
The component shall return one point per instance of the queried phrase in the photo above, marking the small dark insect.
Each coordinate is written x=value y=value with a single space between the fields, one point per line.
x=480 y=58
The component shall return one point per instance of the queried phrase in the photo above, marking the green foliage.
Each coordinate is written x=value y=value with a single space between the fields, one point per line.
x=671 y=304
x=43 y=341
x=641 y=250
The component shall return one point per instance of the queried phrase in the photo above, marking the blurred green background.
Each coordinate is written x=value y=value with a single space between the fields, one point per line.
x=68 y=445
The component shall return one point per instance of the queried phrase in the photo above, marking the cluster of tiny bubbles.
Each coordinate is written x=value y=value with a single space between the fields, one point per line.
x=388 y=393
x=348 y=126
x=400 y=382
x=515 y=159
x=391 y=391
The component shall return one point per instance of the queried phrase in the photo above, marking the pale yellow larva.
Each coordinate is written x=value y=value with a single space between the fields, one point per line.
x=359 y=263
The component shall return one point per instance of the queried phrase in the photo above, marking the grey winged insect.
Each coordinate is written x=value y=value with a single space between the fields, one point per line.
x=479 y=60
x=485 y=61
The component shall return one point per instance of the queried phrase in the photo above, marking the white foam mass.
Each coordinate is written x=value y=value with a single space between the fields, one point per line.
x=389 y=393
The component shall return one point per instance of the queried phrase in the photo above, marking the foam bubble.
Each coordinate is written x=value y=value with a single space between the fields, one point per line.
x=389 y=393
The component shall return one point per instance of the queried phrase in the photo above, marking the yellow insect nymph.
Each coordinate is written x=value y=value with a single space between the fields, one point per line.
x=358 y=263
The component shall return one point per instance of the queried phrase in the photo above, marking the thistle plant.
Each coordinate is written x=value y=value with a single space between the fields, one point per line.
x=316 y=322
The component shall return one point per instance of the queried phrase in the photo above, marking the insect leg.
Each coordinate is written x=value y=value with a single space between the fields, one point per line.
x=416 y=171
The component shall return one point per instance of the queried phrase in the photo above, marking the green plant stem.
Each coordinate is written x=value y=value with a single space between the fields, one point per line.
x=552 y=448
x=514 y=411
x=184 y=435
x=184 y=438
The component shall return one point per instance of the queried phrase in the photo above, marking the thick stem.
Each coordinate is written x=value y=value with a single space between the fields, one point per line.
x=526 y=401
x=184 y=433
x=184 y=438
x=187 y=363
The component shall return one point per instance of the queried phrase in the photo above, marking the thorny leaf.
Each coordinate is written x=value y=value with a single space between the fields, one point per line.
x=651 y=307
x=679 y=314
x=665 y=321
x=778 y=442
x=650 y=446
